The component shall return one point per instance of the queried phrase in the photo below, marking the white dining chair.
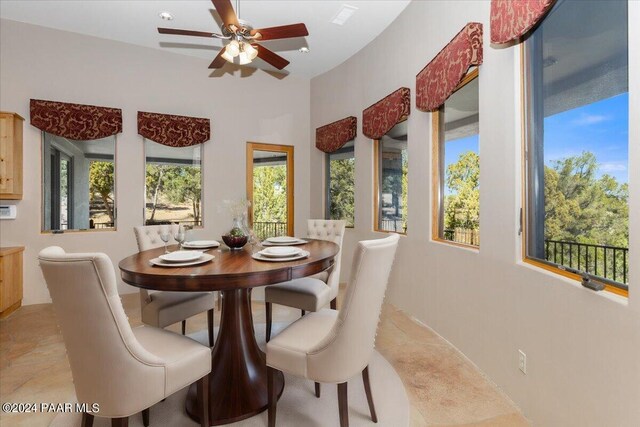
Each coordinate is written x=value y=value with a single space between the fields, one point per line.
x=123 y=370
x=162 y=309
x=332 y=346
x=314 y=292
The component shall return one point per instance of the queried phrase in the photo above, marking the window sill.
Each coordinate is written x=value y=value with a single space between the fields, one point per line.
x=88 y=230
x=470 y=248
x=574 y=279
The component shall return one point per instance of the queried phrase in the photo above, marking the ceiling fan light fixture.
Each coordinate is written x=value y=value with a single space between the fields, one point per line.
x=251 y=51
x=227 y=56
x=244 y=58
x=233 y=48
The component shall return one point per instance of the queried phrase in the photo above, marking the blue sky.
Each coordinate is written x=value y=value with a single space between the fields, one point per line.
x=601 y=127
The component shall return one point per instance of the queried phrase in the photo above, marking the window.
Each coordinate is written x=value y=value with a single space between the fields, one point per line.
x=577 y=120
x=391 y=164
x=270 y=189
x=340 y=185
x=78 y=183
x=173 y=184
x=456 y=166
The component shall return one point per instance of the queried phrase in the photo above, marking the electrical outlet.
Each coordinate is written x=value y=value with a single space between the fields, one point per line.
x=522 y=361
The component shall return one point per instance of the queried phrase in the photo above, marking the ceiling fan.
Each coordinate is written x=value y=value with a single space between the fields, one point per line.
x=243 y=37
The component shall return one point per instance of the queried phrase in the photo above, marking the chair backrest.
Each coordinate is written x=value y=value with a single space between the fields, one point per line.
x=347 y=349
x=148 y=237
x=108 y=364
x=332 y=230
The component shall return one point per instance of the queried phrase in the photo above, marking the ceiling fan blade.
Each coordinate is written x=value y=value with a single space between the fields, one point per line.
x=282 y=32
x=218 y=61
x=226 y=12
x=185 y=32
x=272 y=58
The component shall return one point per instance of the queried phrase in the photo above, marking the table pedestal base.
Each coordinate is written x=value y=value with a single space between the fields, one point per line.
x=238 y=379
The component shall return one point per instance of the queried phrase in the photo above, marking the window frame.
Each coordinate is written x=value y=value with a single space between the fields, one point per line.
x=278 y=148
x=377 y=165
x=437 y=171
x=327 y=187
x=525 y=202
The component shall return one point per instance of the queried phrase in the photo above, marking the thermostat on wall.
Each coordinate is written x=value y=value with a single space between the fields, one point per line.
x=8 y=211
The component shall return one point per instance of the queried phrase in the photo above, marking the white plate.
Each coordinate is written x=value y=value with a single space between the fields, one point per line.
x=181 y=256
x=280 y=251
x=260 y=257
x=282 y=239
x=201 y=244
x=203 y=258
x=297 y=242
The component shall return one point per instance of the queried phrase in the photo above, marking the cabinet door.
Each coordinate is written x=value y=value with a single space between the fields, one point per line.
x=10 y=280
x=6 y=154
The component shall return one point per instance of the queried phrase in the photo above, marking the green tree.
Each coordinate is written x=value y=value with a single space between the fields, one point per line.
x=184 y=184
x=582 y=207
x=101 y=184
x=462 y=206
x=342 y=189
x=270 y=193
x=154 y=181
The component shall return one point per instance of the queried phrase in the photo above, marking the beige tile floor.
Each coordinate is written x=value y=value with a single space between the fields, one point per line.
x=444 y=389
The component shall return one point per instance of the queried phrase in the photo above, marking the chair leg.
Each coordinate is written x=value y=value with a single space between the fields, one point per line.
x=203 y=398
x=184 y=326
x=268 y=314
x=145 y=417
x=210 y=325
x=367 y=390
x=120 y=422
x=334 y=303
x=317 y=389
x=343 y=405
x=272 y=395
x=87 y=420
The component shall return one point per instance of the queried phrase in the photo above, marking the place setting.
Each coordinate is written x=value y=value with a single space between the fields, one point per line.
x=283 y=241
x=188 y=253
x=280 y=254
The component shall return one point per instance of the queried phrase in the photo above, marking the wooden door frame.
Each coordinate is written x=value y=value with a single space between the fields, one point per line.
x=278 y=148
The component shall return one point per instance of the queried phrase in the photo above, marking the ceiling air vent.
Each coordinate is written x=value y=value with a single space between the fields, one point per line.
x=343 y=15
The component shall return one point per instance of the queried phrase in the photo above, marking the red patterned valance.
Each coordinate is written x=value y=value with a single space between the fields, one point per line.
x=512 y=19
x=438 y=80
x=75 y=121
x=332 y=137
x=174 y=131
x=378 y=119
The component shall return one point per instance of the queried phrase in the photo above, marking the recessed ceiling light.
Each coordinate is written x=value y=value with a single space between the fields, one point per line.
x=304 y=49
x=166 y=16
x=345 y=12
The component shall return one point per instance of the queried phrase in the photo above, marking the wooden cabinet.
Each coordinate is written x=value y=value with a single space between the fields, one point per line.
x=10 y=156
x=10 y=279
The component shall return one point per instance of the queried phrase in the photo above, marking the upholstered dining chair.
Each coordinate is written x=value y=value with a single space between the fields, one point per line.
x=314 y=292
x=332 y=346
x=162 y=309
x=123 y=370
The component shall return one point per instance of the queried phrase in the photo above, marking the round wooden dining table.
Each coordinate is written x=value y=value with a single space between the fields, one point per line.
x=238 y=378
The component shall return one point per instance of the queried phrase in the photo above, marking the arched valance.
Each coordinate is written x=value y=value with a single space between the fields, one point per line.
x=174 y=131
x=334 y=136
x=512 y=19
x=438 y=80
x=378 y=119
x=75 y=121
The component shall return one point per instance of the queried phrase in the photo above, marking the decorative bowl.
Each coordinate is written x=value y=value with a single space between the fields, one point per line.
x=235 y=242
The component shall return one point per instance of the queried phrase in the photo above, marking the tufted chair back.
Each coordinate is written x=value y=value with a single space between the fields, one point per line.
x=103 y=352
x=348 y=347
x=332 y=230
x=148 y=237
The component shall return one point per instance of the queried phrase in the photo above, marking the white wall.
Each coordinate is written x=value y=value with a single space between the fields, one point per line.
x=583 y=348
x=37 y=62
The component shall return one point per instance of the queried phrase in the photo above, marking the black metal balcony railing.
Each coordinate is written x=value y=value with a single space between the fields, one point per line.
x=609 y=262
x=397 y=225
x=262 y=230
